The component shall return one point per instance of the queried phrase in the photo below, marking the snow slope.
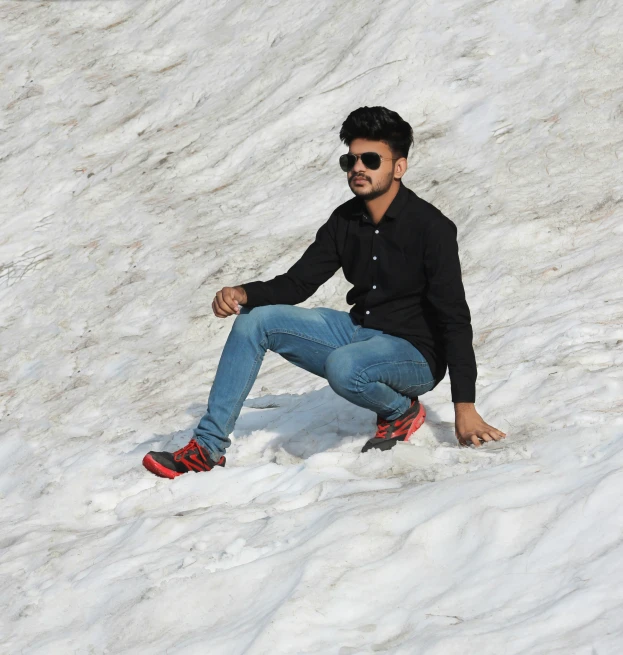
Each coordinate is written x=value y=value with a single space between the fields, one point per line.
x=151 y=153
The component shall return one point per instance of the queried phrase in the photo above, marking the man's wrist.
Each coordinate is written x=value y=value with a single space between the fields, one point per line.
x=464 y=407
x=242 y=290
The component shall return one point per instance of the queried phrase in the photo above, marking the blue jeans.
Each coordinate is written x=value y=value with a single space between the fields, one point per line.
x=367 y=367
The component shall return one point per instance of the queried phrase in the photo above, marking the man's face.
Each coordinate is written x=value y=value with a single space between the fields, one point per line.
x=364 y=182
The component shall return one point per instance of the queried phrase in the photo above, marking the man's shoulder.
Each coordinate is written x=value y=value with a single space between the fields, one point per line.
x=429 y=216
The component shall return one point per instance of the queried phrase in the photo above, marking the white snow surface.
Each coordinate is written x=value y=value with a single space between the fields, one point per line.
x=153 y=152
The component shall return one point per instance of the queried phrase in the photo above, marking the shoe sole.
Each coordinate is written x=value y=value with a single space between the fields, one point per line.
x=388 y=444
x=157 y=469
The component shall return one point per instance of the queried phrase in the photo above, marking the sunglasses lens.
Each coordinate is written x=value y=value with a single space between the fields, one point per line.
x=347 y=162
x=371 y=160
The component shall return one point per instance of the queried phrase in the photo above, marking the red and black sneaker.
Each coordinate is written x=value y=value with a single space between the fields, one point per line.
x=191 y=457
x=389 y=433
x=382 y=426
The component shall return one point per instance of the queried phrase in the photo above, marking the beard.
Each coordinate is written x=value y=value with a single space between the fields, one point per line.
x=372 y=189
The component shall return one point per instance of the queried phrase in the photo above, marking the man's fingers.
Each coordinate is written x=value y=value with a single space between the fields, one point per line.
x=229 y=300
x=474 y=439
x=480 y=435
x=222 y=304
x=225 y=303
x=496 y=434
x=468 y=439
x=235 y=304
x=217 y=310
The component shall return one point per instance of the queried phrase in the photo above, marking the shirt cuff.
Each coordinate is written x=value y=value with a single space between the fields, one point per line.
x=254 y=294
x=463 y=391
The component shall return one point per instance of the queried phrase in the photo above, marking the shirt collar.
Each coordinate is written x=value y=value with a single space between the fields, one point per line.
x=393 y=211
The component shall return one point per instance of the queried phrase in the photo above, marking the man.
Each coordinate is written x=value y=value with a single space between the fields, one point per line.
x=409 y=322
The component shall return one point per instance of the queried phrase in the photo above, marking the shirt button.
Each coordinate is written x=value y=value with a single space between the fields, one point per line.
x=374 y=286
x=374 y=257
x=376 y=231
x=368 y=311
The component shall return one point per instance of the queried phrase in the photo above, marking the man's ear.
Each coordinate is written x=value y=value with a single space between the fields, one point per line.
x=401 y=167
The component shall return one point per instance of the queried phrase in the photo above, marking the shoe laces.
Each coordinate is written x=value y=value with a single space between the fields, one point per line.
x=382 y=426
x=191 y=445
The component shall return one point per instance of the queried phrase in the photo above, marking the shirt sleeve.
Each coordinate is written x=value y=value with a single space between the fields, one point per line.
x=447 y=295
x=317 y=264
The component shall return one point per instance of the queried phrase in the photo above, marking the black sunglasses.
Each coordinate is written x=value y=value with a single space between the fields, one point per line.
x=371 y=160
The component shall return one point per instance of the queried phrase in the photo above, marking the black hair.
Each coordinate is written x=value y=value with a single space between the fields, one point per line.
x=378 y=124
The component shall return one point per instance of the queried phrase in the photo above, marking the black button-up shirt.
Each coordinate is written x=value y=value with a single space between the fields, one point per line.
x=406 y=278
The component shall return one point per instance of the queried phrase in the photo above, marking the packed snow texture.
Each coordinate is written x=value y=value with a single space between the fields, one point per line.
x=152 y=153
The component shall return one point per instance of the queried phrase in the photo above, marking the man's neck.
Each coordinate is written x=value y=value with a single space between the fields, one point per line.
x=377 y=207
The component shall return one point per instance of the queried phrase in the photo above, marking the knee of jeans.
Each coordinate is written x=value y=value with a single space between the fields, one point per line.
x=249 y=320
x=259 y=319
x=341 y=371
x=242 y=323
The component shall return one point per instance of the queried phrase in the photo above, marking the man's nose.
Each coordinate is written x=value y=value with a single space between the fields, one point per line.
x=359 y=167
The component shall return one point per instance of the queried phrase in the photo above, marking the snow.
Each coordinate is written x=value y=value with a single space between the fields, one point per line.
x=151 y=153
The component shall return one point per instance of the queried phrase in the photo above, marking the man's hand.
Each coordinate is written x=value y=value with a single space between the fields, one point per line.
x=470 y=428
x=228 y=300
